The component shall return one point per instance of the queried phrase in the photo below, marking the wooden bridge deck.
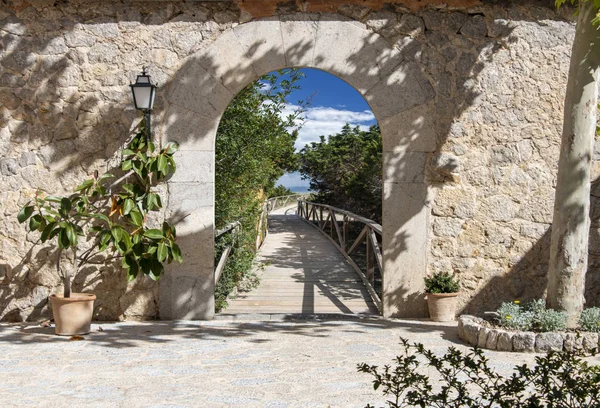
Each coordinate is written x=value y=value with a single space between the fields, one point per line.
x=305 y=274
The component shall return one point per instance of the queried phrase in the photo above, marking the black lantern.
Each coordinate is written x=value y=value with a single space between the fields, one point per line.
x=144 y=92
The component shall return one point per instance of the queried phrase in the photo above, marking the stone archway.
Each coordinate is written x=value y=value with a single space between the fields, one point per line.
x=388 y=78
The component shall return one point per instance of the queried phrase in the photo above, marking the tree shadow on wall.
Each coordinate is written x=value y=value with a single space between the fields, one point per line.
x=438 y=70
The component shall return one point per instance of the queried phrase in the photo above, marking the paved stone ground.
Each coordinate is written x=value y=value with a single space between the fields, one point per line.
x=221 y=363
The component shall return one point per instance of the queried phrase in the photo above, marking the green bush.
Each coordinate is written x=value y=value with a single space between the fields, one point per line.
x=590 y=319
x=559 y=379
x=533 y=316
x=441 y=282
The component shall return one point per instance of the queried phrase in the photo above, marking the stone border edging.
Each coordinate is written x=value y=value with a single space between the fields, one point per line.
x=472 y=330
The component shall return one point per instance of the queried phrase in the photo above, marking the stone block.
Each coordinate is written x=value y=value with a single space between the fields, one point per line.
x=572 y=341
x=185 y=198
x=484 y=332
x=262 y=43
x=455 y=202
x=404 y=167
x=227 y=60
x=460 y=326
x=447 y=227
x=545 y=342
x=504 y=341
x=193 y=166
x=590 y=341
x=491 y=342
x=27 y=159
x=524 y=341
x=196 y=90
x=191 y=130
x=405 y=88
x=187 y=297
x=471 y=330
x=299 y=33
x=405 y=238
x=474 y=27
x=412 y=130
x=9 y=167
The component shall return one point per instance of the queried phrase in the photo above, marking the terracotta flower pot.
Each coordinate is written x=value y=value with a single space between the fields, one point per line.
x=442 y=306
x=72 y=315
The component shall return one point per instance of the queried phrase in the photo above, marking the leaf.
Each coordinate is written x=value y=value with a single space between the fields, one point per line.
x=128 y=205
x=63 y=239
x=162 y=164
x=171 y=148
x=162 y=252
x=129 y=188
x=118 y=233
x=154 y=234
x=127 y=152
x=53 y=199
x=126 y=165
x=77 y=338
x=105 y=176
x=47 y=230
x=86 y=184
x=176 y=252
x=37 y=222
x=98 y=217
x=65 y=206
x=136 y=218
x=156 y=269
x=25 y=213
x=71 y=235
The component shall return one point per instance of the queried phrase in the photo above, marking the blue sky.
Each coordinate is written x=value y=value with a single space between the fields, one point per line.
x=333 y=104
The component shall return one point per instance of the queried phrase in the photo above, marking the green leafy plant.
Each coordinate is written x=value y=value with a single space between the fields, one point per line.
x=590 y=319
x=113 y=217
x=532 y=316
x=559 y=379
x=441 y=282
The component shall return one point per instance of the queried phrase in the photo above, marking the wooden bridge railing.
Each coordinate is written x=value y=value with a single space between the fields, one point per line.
x=324 y=217
x=233 y=229
x=272 y=204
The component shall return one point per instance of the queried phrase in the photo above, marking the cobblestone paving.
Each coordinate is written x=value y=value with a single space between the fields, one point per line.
x=221 y=363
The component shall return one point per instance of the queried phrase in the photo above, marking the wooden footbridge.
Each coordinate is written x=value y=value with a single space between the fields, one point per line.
x=315 y=259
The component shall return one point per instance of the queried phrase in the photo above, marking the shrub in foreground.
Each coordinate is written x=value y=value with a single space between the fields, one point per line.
x=559 y=379
x=590 y=319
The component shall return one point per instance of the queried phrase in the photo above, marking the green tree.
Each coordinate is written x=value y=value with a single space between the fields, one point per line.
x=254 y=147
x=345 y=170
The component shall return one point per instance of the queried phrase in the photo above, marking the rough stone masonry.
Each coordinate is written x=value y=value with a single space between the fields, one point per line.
x=493 y=74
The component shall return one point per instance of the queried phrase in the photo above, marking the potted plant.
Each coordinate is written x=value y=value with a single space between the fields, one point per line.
x=113 y=218
x=442 y=288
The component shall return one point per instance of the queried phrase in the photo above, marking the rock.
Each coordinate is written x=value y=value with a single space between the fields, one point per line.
x=27 y=159
x=572 y=341
x=444 y=165
x=499 y=208
x=471 y=332
x=483 y=336
x=504 y=341
x=460 y=327
x=498 y=28
x=474 y=27
x=433 y=20
x=590 y=341
x=447 y=227
x=524 y=341
x=545 y=342
x=455 y=21
x=410 y=25
x=354 y=11
x=8 y=167
x=492 y=340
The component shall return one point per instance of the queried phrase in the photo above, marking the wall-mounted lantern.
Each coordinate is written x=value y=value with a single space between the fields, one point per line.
x=144 y=92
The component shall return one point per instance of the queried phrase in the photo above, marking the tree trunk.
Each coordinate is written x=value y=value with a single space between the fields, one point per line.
x=571 y=224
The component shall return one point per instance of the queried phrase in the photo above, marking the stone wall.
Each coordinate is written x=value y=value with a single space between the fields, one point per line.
x=495 y=80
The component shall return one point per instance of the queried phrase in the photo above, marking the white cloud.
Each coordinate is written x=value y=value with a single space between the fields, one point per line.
x=325 y=121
